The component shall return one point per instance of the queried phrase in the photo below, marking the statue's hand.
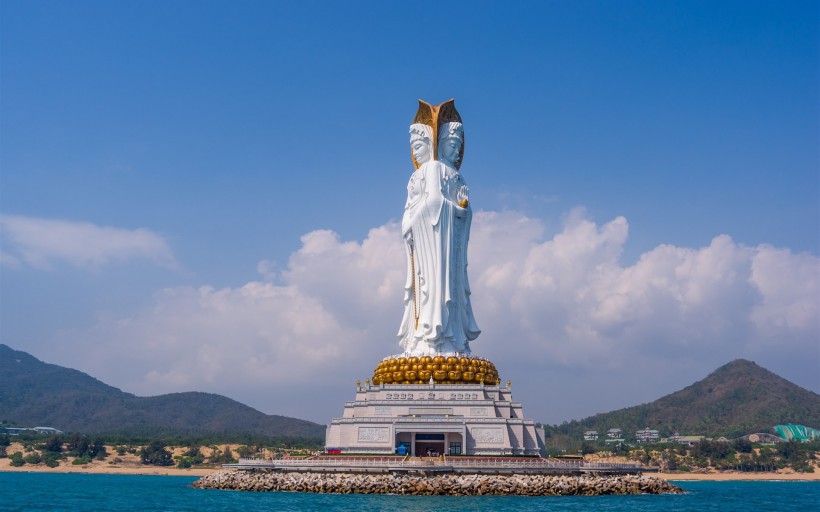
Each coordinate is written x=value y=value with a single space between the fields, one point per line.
x=463 y=196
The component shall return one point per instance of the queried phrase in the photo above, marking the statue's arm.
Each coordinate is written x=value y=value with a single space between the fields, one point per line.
x=407 y=227
x=435 y=198
x=415 y=194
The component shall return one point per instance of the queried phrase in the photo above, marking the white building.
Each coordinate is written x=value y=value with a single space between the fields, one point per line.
x=431 y=419
x=614 y=435
x=647 y=435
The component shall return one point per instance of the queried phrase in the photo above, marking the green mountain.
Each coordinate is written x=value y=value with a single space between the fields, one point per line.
x=36 y=393
x=736 y=399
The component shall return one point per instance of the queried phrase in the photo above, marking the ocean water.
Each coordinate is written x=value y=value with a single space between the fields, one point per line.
x=79 y=492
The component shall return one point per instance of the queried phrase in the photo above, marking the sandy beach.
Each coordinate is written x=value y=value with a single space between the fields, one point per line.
x=104 y=468
x=126 y=464
x=135 y=468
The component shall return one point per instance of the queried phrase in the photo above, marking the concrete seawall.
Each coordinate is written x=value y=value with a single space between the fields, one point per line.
x=261 y=480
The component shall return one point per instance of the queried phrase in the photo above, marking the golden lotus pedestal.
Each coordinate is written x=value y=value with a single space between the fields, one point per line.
x=423 y=406
x=442 y=370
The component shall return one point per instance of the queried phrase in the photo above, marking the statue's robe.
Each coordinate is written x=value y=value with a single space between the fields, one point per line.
x=437 y=292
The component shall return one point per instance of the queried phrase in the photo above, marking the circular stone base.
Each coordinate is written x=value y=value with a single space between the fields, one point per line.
x=441 y=369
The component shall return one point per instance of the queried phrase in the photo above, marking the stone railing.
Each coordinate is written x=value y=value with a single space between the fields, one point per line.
x=611 y=465
x=451 y=462
x=335 y=462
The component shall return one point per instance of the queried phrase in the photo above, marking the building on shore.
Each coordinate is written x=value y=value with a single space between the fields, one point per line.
x=686 y=440
x=647 y=435
x=614 y=436
x=591 y=435
x=16 y=431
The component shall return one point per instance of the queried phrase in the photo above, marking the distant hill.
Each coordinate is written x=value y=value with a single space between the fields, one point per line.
x=736 y=399
x=34 y=393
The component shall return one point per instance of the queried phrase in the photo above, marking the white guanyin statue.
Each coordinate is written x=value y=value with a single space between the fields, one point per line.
x=438 y=317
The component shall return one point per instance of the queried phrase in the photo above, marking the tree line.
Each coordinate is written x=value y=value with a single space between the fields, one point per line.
x=81 y=449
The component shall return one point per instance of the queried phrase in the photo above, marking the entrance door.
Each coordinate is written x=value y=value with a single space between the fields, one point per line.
x=429 y=445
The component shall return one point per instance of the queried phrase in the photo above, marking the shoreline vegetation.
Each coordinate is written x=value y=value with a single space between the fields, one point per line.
x=130 y=464
x=79 y=454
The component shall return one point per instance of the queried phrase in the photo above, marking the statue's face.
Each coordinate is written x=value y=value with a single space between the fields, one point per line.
x=422 y=150
x=449 y=149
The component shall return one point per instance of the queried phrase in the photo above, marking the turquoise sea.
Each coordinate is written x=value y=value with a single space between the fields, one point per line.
x=77 y=492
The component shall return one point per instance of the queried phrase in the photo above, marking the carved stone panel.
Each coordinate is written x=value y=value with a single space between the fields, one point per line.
x=488 y=435
x=374 y=434
x=431 y=411
x=478 y=411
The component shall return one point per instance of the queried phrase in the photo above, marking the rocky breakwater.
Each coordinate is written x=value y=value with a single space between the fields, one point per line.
x=447 y=484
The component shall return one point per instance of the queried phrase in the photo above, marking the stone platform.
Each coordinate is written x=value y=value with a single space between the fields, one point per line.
x=433 y=419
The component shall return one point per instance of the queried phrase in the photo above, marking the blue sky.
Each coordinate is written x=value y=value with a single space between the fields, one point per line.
x=160 y=156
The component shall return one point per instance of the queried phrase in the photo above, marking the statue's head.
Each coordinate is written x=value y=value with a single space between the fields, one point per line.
x=450 y=143
x=421 y=143
x=443 y=121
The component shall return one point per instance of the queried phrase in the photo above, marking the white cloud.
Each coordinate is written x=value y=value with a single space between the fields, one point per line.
x=558 y=313
x=38 y=242
x=8 y=260
x=789 y=290
x=283 y=347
